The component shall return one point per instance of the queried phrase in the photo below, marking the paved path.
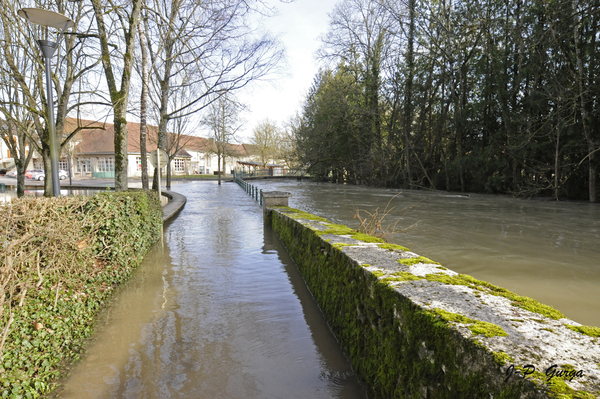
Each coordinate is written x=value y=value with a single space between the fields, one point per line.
x=176 y=203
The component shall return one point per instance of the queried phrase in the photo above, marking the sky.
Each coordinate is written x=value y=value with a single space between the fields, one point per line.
x=298 y=25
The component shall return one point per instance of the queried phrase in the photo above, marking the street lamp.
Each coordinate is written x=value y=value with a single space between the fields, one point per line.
x=58 y=21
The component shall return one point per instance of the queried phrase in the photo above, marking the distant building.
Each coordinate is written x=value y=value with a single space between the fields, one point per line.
x=91 y=152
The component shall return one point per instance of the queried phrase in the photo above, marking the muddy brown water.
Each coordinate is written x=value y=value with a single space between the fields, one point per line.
x=547 y=250
x=220 y=312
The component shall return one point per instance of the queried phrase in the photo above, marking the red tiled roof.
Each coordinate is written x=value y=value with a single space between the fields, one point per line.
x=98 y=138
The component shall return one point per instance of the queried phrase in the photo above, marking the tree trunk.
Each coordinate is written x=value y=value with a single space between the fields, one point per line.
x=408 y=109
x=48 y=191
x=121 y=161
x=556 y=160
x=219 y=157
x=168 y=185
x=143 y=107
x=118 y=97
x=584 y=112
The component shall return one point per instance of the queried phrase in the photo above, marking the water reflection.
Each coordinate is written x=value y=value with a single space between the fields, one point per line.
x=543 y=249
x=221 y=312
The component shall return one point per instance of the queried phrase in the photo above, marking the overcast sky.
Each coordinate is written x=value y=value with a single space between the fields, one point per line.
x=299 y=25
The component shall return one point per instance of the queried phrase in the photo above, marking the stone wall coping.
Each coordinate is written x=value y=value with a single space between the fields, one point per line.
x=276 y=194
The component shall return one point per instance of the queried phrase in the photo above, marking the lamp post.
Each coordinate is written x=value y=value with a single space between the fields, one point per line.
x=58 y=21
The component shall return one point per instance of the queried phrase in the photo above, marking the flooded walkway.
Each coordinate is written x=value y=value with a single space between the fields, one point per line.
x=220 y=312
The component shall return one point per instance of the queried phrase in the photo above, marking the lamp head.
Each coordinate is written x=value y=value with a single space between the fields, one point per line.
x=46 y=18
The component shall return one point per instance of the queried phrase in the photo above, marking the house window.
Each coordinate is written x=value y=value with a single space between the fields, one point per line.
x=84 y=165
x=179 y=165
x=63 y=165
x=138 y=163
x=106 y=165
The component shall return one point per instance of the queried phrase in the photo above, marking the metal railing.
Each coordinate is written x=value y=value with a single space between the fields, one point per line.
x=270 y=172
x=251 y=189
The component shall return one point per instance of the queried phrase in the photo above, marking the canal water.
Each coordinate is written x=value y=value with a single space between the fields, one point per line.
x=220 y=312
x=547 y=250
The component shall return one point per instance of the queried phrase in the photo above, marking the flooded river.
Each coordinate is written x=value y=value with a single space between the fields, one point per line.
x=543 y=249
x=220 y=312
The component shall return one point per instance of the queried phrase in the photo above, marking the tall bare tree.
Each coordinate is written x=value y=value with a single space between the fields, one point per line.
x=145 y=75
x=23 y=69
x=362 y=36
x=117 y=22
x=223 y=119
x=266 y=138
x=209 y=47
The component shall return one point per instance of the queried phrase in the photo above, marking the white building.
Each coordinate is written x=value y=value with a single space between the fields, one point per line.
x=92 y=155
x=93 y=152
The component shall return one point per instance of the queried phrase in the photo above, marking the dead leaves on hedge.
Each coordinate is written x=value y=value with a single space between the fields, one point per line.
x=38 y=237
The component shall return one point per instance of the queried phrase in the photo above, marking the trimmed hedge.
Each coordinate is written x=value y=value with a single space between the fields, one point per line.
x=62 y=258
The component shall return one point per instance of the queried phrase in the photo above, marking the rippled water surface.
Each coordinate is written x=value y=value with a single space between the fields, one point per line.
x=220 y=312
x=543 y=249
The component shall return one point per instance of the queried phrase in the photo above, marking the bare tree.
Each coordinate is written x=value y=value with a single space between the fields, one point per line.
x=23 y=69
x=208 y=47
x=118 y=21
x=16 y=132
x=363 y=35
x=144 y=104
x=224 y=121
x=288 y=142
x=265 y=137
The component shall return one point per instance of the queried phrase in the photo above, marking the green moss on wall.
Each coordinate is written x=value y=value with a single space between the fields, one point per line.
x=502 y=358
x=556 y=385
x=298 y=214
x=587 y=330
x=340 y=245
x=339 y=229
x=401 y=276
x=521 y=301
x=417 y=260
x=365 y=237
x=477 y=327
x=392 y=247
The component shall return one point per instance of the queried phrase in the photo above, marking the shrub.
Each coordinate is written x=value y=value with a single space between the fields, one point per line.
x=61 y=258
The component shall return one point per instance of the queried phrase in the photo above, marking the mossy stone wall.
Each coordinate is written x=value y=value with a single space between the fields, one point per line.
x=397 y=347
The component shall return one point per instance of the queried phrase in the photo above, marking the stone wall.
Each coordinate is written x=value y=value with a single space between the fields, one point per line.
x=414 y=329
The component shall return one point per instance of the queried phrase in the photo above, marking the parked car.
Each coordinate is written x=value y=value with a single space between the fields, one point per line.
x=36 y=175
x=29 y=173
x=40 y=175
x=12 y=173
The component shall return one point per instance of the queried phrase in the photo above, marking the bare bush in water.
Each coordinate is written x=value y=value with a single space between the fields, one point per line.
x=375 y=224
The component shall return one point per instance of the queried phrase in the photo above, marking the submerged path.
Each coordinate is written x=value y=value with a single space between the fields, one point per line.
x=220 y=312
